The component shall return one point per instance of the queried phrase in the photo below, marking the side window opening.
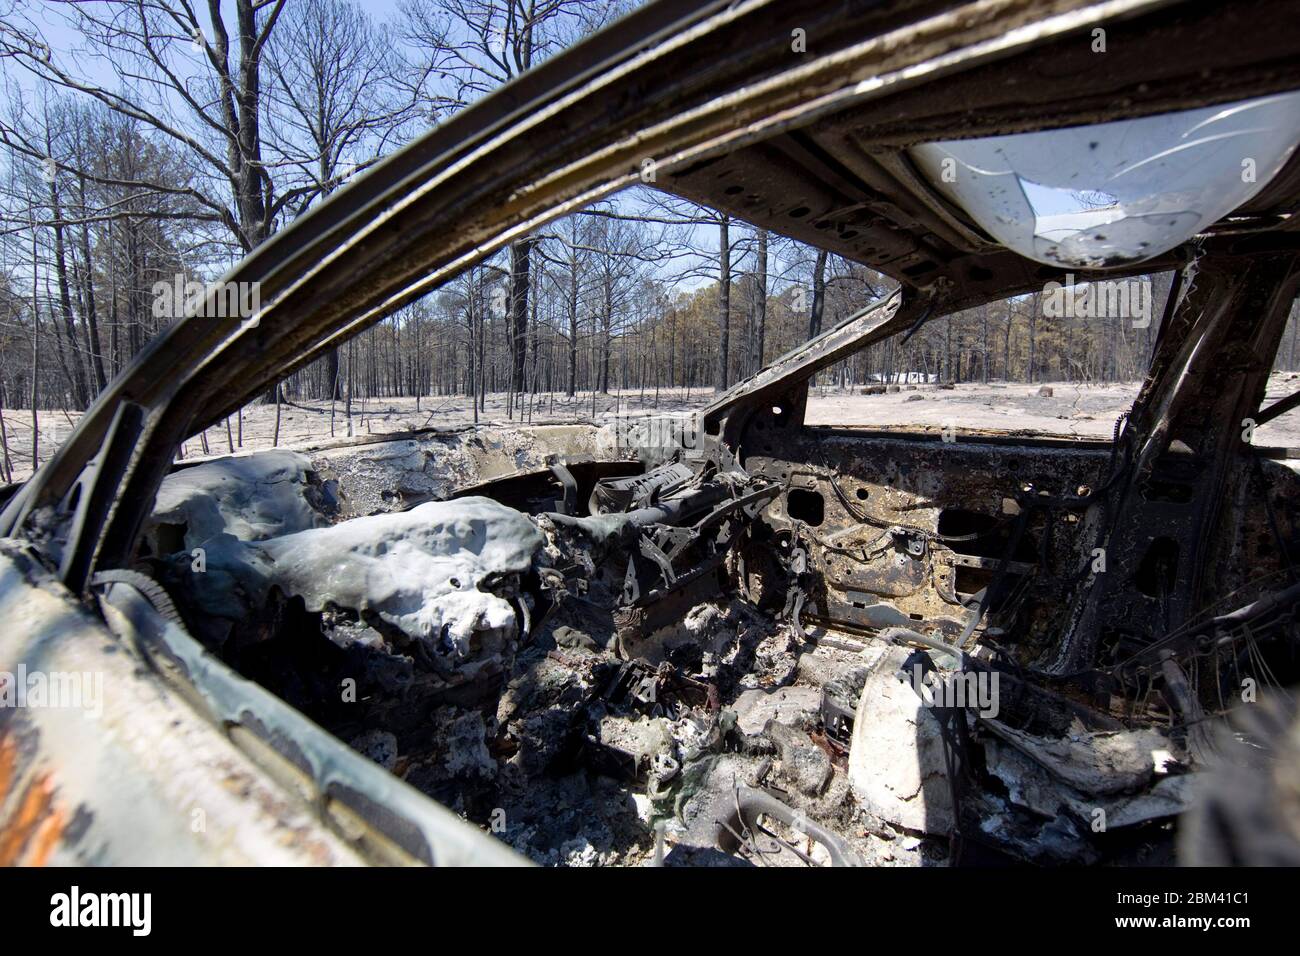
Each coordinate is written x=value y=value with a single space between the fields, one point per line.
x=1277 y=424
x=1065 y=360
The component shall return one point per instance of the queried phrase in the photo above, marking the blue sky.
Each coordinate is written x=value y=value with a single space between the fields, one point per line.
x=54 y=20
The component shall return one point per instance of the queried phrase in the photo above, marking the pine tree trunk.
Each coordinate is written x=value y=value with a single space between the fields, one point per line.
x=723 y=377
x=760 y=303
x=818 y=295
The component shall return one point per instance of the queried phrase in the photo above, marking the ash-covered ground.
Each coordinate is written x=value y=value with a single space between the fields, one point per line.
x=587 y=759
x=1072 y=410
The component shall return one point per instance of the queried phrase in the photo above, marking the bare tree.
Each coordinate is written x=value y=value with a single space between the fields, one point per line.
x=760 y=302
x=818 y=295
x=340 y=97
x=196 y=83
x=480 y=45
x=724 y=303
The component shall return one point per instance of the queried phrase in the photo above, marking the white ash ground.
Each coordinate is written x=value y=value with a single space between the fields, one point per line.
x=1073 y=410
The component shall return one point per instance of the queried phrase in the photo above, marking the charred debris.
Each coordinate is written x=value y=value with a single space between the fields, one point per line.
x=771 y=645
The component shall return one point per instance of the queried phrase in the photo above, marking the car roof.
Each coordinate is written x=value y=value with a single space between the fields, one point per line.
x=844 y=182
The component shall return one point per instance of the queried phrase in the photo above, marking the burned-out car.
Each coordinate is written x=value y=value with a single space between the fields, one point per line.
x=755 y=640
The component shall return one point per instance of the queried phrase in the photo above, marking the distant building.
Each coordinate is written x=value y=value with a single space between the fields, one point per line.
x=906 y=378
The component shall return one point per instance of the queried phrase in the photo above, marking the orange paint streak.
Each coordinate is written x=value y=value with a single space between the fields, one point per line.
x=37 y=820
x=8 y=757
x=47 y=837
x=35 y=806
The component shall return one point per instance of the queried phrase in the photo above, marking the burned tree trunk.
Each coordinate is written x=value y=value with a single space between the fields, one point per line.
x=724 y=304
x=76 y=372
x=92 y=319
x=760 y=302
x=573 y=327
x=818 y=295
x=520 y=268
